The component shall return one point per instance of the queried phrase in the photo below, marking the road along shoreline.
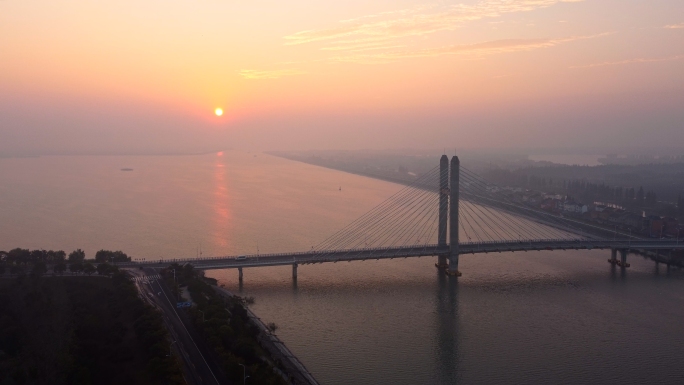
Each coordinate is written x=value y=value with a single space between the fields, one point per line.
x=296 y=371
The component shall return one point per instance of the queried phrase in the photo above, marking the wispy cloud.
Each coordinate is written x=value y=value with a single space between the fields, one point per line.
x=478 y=49
x=630 y=61
x=675 y=26
x=269 y=74
x=417 y=22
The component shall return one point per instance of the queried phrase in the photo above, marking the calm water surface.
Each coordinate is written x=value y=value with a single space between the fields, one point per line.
x=542 y=317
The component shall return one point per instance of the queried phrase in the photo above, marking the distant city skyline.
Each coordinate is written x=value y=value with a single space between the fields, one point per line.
x=134 y=77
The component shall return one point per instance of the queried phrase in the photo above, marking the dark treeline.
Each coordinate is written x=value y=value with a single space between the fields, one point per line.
x=226 y=327
x=81 y=330
x=37 y=262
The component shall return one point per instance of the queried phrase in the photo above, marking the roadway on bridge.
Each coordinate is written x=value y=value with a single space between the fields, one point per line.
x=411 y=252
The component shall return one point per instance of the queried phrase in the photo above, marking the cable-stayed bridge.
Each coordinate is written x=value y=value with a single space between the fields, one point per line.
x=446 y=212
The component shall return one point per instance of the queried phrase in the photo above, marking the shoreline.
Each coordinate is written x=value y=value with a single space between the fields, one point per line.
x=296 y=371
x=386 y=178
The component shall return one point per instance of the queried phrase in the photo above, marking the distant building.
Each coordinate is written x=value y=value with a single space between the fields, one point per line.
x=630 y=220
x=655 y=226
x=574 y=207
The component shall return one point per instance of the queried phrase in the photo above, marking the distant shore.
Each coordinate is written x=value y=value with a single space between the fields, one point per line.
x=369 y=174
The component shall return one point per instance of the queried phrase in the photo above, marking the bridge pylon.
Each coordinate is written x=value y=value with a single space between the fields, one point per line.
x=443 y=209
x=454 y=178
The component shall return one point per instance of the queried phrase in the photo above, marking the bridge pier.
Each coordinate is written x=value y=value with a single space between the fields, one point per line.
x=294 y=271
x=453 y=217
x=623 y=258
x=240 y=274
x=443 y=209
x=613 y=256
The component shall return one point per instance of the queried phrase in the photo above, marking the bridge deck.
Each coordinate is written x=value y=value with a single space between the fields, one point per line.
x=231 y=262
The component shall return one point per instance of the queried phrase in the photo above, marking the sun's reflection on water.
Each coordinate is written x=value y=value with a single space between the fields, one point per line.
x=222 y=208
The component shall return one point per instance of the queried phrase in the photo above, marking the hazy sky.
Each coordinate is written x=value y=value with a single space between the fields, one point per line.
x=133 y=76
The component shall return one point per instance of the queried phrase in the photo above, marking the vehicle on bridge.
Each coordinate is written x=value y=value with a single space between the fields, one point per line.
x=241 y=258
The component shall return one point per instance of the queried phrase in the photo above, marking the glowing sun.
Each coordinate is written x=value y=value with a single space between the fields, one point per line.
x=218 y=112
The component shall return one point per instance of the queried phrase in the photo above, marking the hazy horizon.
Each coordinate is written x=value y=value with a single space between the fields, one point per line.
x=145 y=77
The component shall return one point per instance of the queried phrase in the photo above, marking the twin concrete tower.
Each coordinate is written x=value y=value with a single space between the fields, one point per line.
x=448 y=213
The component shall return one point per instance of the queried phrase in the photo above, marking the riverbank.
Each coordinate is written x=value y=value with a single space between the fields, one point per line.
x=296 y=371
x=405 y=179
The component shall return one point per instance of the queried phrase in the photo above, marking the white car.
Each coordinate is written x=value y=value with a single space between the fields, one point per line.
x=241 y=258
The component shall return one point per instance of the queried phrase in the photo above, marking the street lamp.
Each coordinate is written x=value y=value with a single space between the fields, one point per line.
x=202 y=314
x=244 y=374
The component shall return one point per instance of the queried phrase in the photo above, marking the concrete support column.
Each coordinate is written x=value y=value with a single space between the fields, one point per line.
x=240 y=274
x=443 y=208
x=294 y=271
x=613 y=256
x=453 y=216
x=623 y=258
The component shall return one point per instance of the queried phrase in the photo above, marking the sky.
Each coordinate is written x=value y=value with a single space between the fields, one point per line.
x=145 y=76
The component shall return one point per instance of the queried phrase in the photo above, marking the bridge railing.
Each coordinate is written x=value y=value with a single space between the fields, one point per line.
x=331 y=254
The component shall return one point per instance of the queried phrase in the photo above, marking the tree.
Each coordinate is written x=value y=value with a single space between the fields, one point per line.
x=58 y=256
x=59 y=268
x=17 y=269
x=111 y=256
x=38 y=256
x=104 y=269
x=77 y=256
x=39 y=268
x=75 y=267
x=88 y=268
x=19 y=256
